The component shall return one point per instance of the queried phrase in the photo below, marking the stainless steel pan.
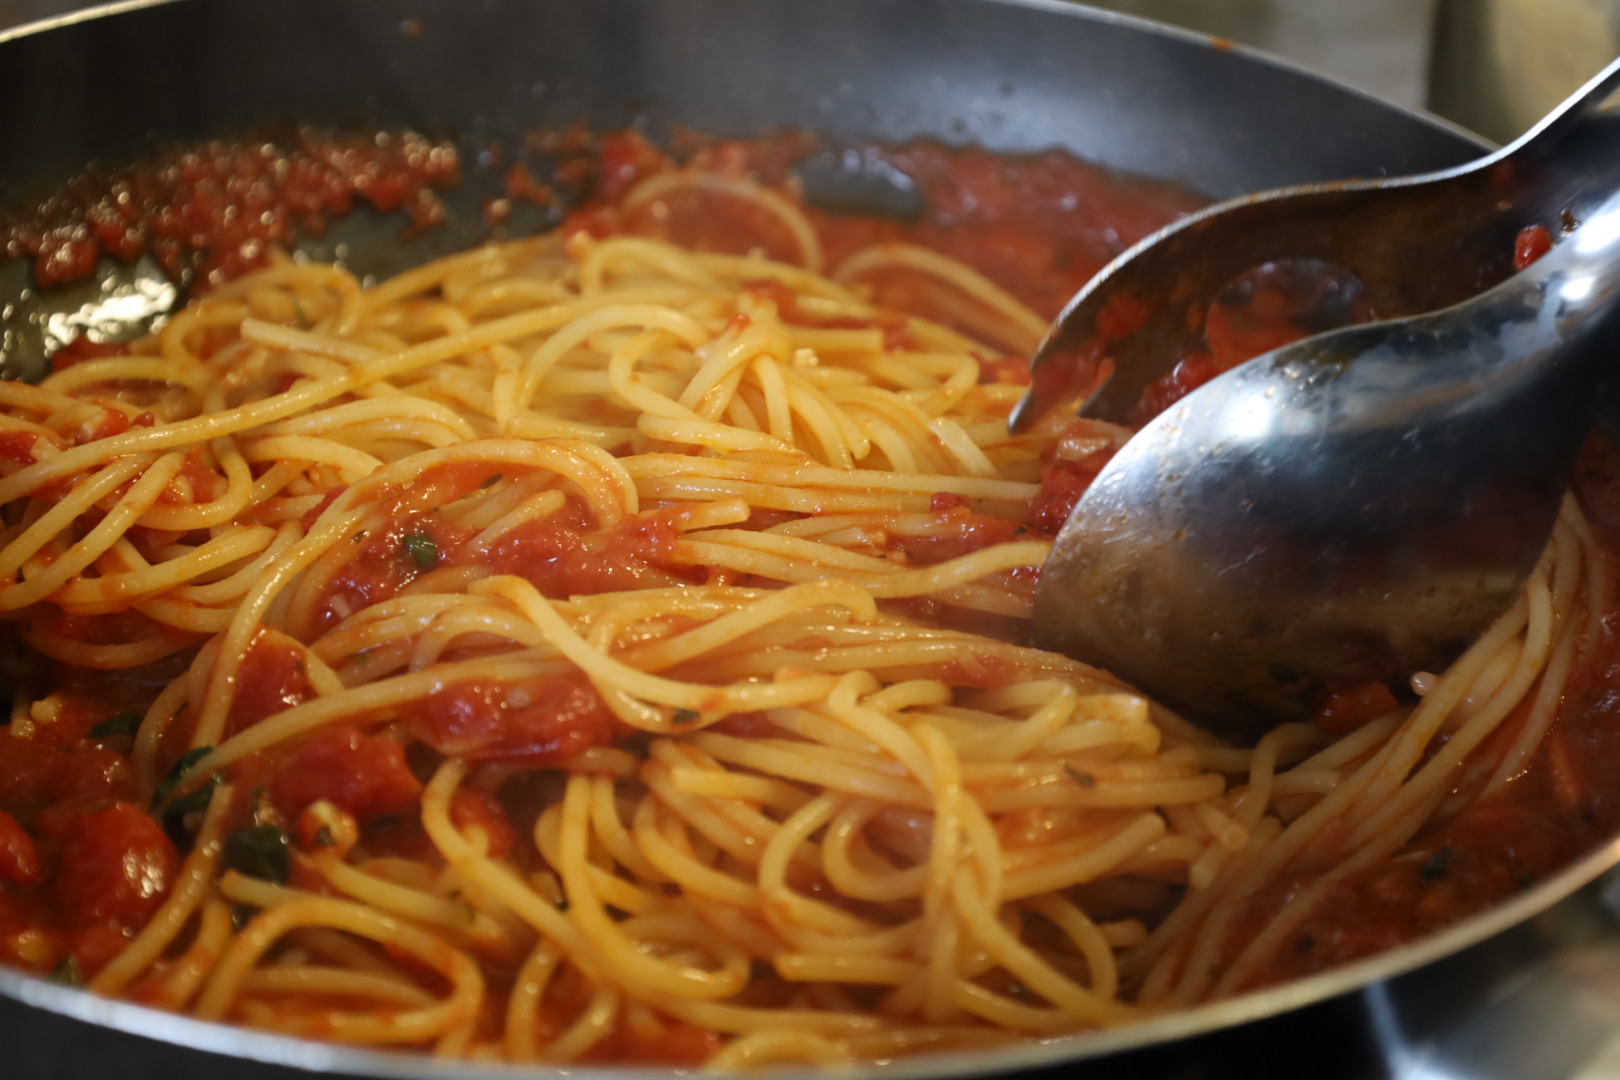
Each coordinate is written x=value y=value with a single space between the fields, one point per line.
x=1012 y=76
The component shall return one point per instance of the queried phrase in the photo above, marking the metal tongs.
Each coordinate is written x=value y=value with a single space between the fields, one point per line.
x=1358 y=505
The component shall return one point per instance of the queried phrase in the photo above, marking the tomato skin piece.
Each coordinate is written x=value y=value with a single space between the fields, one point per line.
x=1063 y=482
x=272 y=678
x=19 y=859
x=18 y=447
x=971 y=532
x=544 y=722
x=115 y=866
x=746 y=725
x=563 y=562
x=365 y=775
x=1532 y=243
x=473 y=808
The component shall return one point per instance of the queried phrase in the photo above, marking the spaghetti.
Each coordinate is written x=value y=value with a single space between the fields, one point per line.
x=591 y=648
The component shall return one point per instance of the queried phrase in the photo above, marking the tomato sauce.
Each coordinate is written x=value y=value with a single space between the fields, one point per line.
x=1565 y=805
x=1038 y=225
x=82 y=863
x=210 y=213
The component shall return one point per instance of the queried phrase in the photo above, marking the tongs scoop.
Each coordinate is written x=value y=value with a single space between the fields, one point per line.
x=1358 y=505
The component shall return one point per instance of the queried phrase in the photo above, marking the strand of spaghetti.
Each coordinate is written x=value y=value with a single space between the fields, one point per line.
x=804 y=235
x=116 y=591
x=1556 y=674
x=1306 y=900
x=1063 y=866
x=1030 y=325
x=520 y=1038
x=596 y=258
x=1297 y=837
x=787 y=559
x=293 y=340
x=478 y=929
x=459 y=1009
x=766 y=609
x=238 y=495
x=741 y=832
x=680 y=327
x=498 y=881
x=141 y=494
x=327 y=981
x=797 y=476
x=345 y=459
x=423 y=278
x=1021 y=961
x=50 y=524
x=302 y=396
x=335 y=522
x=581 y=462
x=608 y=672
x=1087 y=938
x=678 y=865
x=110 y=369
x=1435 y=772
x=358 y=701
x=591 y=1026
x=886 y=884
x=619 y=951
x=771 y=1047
x=789 y=912
x=185 y=975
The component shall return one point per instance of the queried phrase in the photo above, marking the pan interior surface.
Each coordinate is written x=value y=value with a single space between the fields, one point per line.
x=1010 y=76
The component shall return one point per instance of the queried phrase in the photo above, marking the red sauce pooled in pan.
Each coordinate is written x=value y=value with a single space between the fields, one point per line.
x=81 y=864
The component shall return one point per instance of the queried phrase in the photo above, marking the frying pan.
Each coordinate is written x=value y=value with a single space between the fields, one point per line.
x=1012 y=75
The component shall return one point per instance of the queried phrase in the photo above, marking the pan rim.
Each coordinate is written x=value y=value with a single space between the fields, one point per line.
x=311 y=1056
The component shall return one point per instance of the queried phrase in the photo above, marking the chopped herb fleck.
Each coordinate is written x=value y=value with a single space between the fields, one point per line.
x=1438 y=866
x=185 y=804
x=1084 y=779
x=304 y=322
x=1525 y=878
x=177 y=770
x=67 y=972
x=422 y=550
x=323 y=836
x=124 y=723
x=685 y=716
x=260 y=851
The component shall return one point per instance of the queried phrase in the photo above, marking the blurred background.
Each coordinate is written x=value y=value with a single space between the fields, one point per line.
x=1493 y=66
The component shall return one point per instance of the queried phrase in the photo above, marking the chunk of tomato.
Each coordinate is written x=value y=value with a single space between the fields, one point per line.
x=115 y=867
x=366 y=775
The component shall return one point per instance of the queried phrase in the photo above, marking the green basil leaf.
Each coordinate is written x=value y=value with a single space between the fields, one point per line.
x=67 y=972
x=176 y=771
x=422 y=550
x=195 y=800
x=259 y=851
x=124 y=723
